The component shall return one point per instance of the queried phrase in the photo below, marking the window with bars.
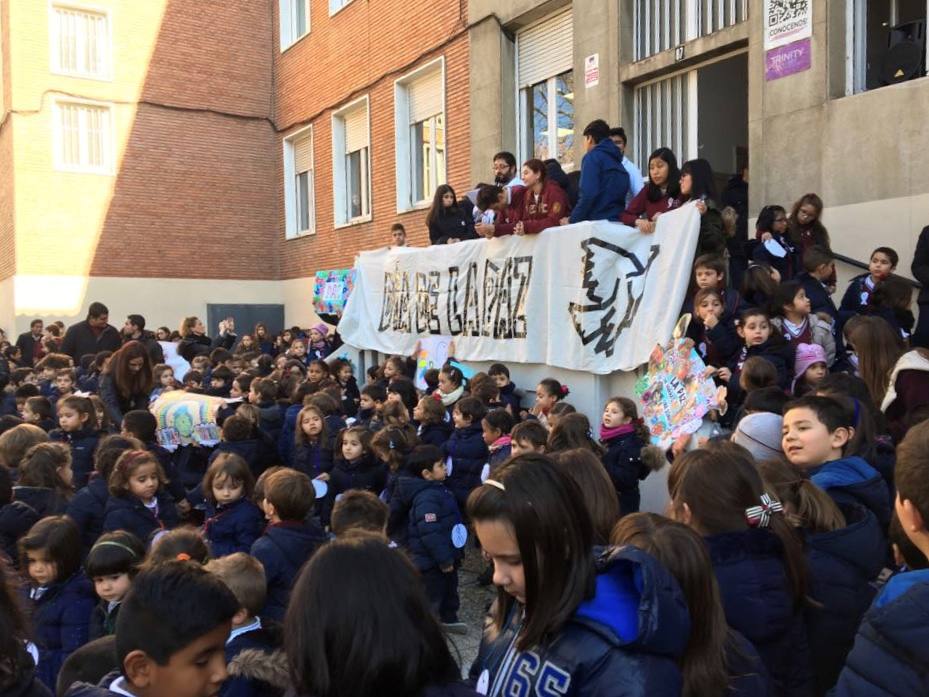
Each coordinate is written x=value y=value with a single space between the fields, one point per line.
x=666 y=116
x=299 y=200
x=420 y=131
x=80 y=42
x=295 y=21
x=545 y=60
x=659 y=25
x=83 y=138
x=351 y=163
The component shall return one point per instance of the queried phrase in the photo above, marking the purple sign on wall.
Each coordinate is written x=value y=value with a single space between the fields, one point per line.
x=787 y=60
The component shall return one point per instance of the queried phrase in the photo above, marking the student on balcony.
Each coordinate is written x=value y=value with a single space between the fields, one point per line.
x=604 y=180
x=544 y=203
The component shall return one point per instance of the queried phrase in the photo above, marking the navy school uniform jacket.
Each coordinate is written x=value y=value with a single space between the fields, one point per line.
x=42 y=500
x=313 y=459
x=433 y=515
x=891 y=651
x=233 y=528
x=623 y=462
x=856 y=297
x=366 y=473
x=257 y=454
x=625 y=640
x=718 y=345
x=468 y=453
x=60 y=621
x=257 y=664
x=351 y=395
x=399 y=501
x=509 y=398
x=25 y=681
x=15 y=520
x=282 y=550
x=87 y=508
x=842 y=564
x=128 y=513
x=434 y=434
x=102 y=620
x=48 y=425
x=852 y=480
x=175 y=487
x=190 y=463
x=788 y=265
x=759 y=604
x=777 y=354
x=820 y=300
x=285 y=440
x=82 y=444
x=271 y=419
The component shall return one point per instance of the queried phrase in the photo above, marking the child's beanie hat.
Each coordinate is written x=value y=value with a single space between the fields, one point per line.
x=807 y=355
x=760 y=434
x=323 y=329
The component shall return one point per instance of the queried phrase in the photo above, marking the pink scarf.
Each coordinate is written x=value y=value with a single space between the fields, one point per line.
x=611 y=433
x=501 y=442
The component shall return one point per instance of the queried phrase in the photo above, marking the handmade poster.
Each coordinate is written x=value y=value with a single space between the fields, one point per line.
x=185 y=418
x=331 y=290
x=674 y=394
x=593 y=296
x=433 y=352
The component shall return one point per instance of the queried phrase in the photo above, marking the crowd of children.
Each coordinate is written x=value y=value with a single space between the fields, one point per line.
x=317 y=547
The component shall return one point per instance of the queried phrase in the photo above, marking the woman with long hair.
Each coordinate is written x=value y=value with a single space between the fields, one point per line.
x=874 y=349
x=446 y=220
x=195 y=342
x=127 y=381
x=772 y=225
x=697 y=185
x=660 y=194
x=544 y=204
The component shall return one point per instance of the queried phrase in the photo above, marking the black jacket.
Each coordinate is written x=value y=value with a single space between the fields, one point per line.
x=80 y=340
x=130 y=514
x=193 y=345
x=623 y=462
x=16 y=518
x=26 y=344
x=468 y=454
x=83 y=444
x=42 y=500
x=454 y=225
x=23 y=681
x=148 y=340
x=233 y=528
x=87 y=508
x=116 y=404
x=282 y=550
x=920 y=266
x=432 y=519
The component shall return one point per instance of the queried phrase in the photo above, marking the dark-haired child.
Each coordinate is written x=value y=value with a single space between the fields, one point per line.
x=528 y=437
x=220 y=382
x=170 y=635
x=163 y=375
x=710 y=274
x=433 y=429
x=754 y=328
x=77 y=421
x=369 y=406
x=39 y=412
x=288 y=541
x=355 y=465
x=451 y=387
x=317 y=371
x=359 y=513
x=256 y=664
x=797 y=324
x=16 y=517
x=496 y=426
x=548 y=393
x=142 y=424
x=62 y=597
x=819 y=265
x=817 y=438
x=64 y=384
x=436 y=536
x=45 y=478
x=759 y=284
x=138 y=500
x=88 y=505
x=111 y=564
x=312 y=454
x=892 y=300
x=90 y=664
x=233 y=522
x=344 y=374
x=857 y=296
x=624 y=435
x=263 y=394
x=891 y=650
x=465 y=450
x=241 y=438
x=712 y=328
x=907 y=556
x=508 y=395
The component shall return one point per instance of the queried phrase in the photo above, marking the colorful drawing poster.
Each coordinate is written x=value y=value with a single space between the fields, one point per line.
x=673 y=392
x=331 y=290
x=433 y=352
x=185 y=418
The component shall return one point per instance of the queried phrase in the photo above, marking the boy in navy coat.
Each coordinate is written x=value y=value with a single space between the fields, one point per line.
x=891 y=651
x=288 y=541
x=436 y=535
x=857 y=296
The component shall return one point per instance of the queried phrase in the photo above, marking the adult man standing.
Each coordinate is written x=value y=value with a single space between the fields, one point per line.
x=636 y=182
x=30 y=343
x=134 y=330
x=93 y=335
x=604 y=180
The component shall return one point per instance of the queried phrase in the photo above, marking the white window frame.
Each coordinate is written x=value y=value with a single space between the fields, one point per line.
x=856 y=47
x=662 y=25
x=109 y=139
x=403 y=130
x=288 y=22
x=54 y=42
x=342 y=214
x=336 y=6
x=291 y=194
x=681 y=129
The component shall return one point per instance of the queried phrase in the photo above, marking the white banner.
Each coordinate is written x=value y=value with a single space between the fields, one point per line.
x=593 y=296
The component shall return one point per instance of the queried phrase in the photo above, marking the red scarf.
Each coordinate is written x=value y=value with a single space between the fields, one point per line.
x=611 y=433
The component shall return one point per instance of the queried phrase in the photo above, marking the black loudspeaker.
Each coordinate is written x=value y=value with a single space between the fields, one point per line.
x=906 y=53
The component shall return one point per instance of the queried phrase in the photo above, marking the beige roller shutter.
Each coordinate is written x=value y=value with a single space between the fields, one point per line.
x=546 y=49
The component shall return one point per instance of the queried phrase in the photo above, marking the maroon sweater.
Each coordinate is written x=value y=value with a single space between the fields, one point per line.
x=640 y=204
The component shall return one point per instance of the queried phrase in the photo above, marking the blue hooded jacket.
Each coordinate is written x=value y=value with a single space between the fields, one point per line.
x=87 y=508
x=433 y=515
x=61 y=618
x=842 y=564
x=625 y=640
x=233 y=528
x=891 y=651
x=852 y=480
x=759 y=604
x=603 y=186
x=282 y=550
x=434 y=434
x=468 y=451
